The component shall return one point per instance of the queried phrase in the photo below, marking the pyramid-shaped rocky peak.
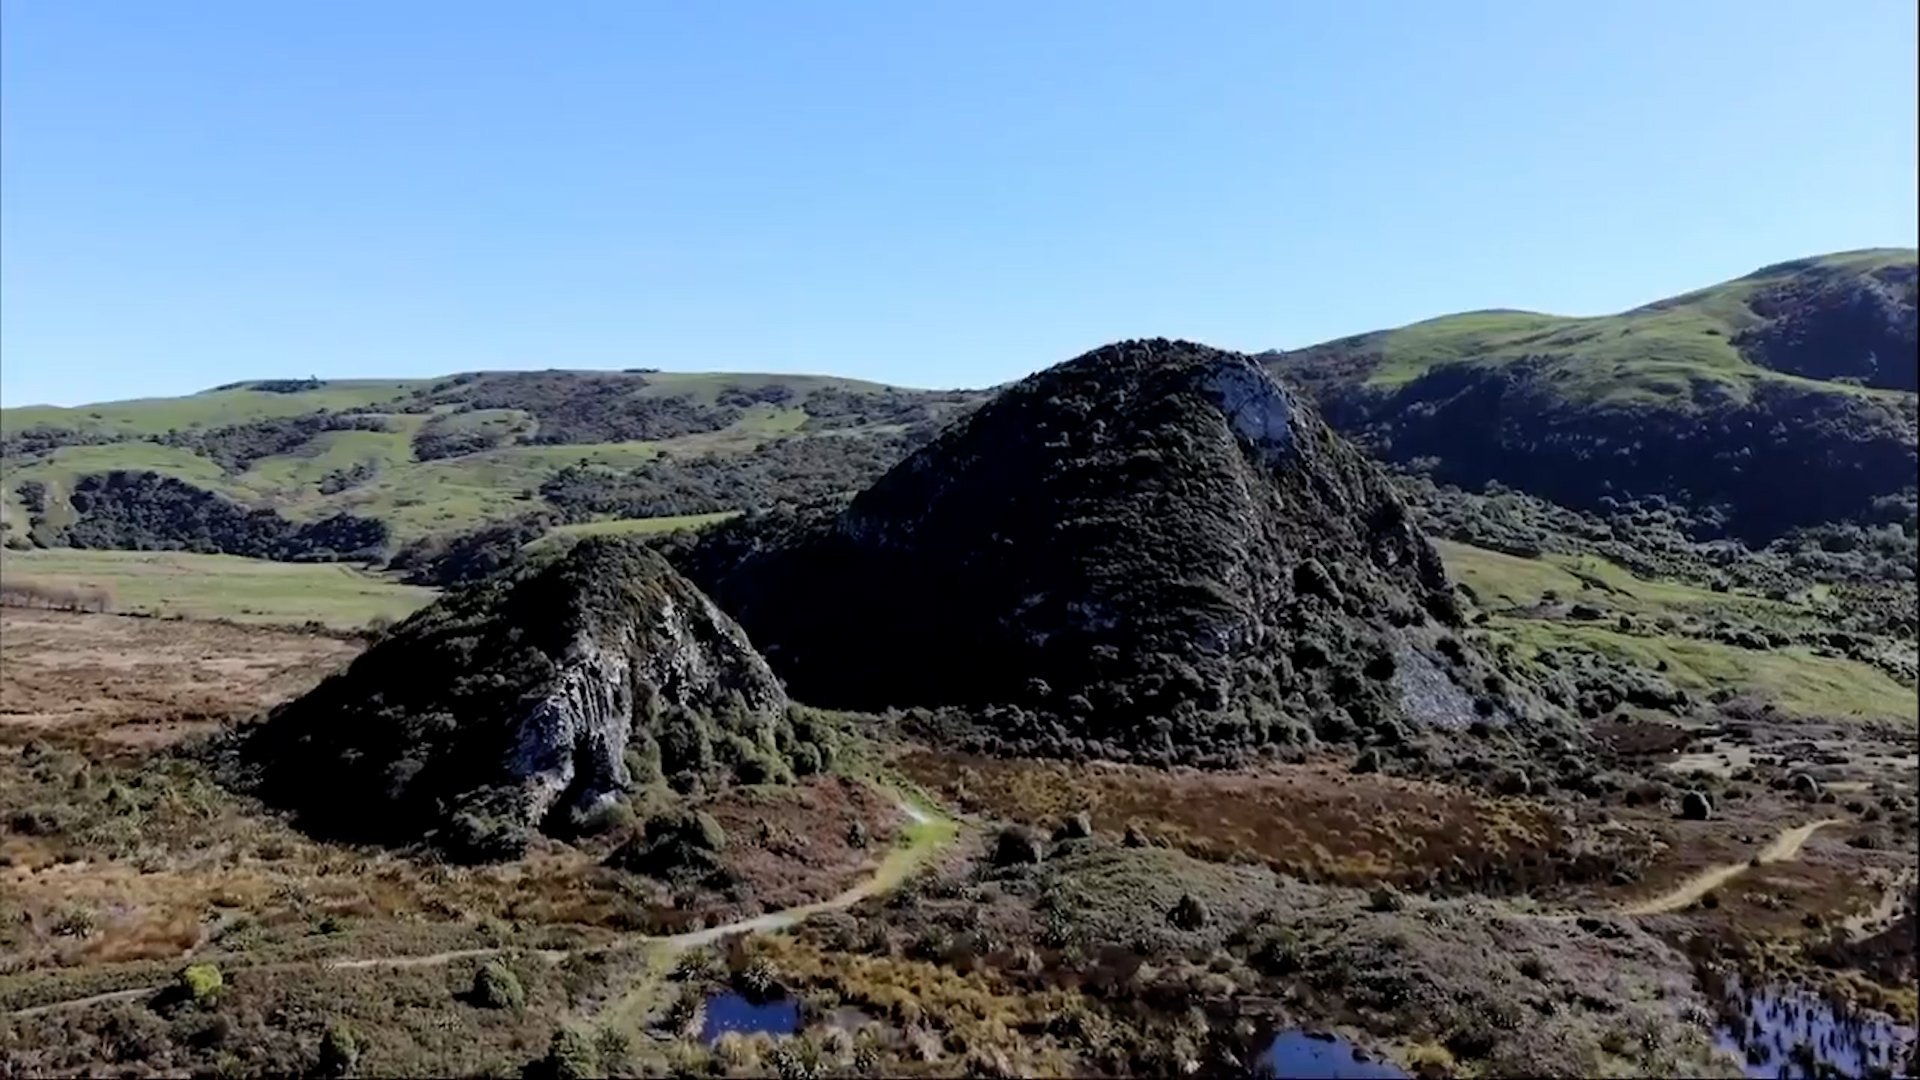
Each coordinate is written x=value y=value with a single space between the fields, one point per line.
x=528 y=701
x=1152 y=552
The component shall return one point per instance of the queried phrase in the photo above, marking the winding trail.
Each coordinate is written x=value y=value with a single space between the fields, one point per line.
x=1785 y=848
x=927 y=833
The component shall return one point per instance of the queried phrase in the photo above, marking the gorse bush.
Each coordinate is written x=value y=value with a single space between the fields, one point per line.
x=495 y=986
x=200 y=983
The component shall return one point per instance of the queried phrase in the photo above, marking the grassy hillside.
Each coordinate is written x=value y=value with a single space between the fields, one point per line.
x=1780 y=399
x=213 y=408
x=1665 y=352
x=444 y=455
x=567 y=534
x=1700 y=640
x=221 y=586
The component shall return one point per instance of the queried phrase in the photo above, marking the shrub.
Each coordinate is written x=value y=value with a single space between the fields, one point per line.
x=675 y=843
x=200 y=983
x=1188 y=913
x=339 y=1051
x=1512 y=782
x=610 y=816
x=857 y=835
x=495 y=986
x=613 y=1047
x=1695 y=806
x=1077 y=826
x=757 y=980
x=806 y=759
x=1015 y=846
x=571 y=1055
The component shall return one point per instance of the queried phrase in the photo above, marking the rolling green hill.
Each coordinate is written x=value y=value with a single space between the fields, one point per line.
x=1779 y=399
x=438 y=456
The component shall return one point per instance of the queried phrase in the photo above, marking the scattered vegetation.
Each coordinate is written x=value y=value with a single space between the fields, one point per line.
x=150 y=512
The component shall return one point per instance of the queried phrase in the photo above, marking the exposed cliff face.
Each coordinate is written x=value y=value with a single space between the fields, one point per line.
x=522 y=702
x=1151 y=551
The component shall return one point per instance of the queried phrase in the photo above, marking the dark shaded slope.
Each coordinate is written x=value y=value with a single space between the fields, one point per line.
x=1825 y=323
x=1152 y=550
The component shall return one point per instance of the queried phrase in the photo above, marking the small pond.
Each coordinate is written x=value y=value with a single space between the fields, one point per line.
x=1793 y=1033
x=1317 y=1056
x=732 y=1011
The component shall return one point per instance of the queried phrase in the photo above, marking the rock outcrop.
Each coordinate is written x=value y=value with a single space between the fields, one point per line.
x=528 y=701
x=1151 y=552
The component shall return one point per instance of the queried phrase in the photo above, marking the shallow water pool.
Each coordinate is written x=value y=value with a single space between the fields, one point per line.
x=1792 y=1033
x=1322 y=1057
x=730 y=1011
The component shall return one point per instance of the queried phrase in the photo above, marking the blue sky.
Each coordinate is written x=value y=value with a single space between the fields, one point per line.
x=933 y=193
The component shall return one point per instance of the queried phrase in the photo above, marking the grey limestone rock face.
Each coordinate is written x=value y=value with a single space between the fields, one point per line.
x=1259 y=411
x=575 y=736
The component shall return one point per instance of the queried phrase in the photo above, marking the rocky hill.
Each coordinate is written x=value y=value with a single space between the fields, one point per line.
x=530 y=701
x=1153 y=551
x=1780 y=400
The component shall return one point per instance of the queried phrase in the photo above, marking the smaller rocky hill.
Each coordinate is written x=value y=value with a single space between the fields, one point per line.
x=530 y=701
x=1151 y=552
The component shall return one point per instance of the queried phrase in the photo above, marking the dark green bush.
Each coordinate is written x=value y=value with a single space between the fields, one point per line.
x=495 y=986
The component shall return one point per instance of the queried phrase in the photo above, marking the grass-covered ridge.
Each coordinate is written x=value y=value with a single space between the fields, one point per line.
x=1668 y=351
x=443 y=456
x=1780 y=400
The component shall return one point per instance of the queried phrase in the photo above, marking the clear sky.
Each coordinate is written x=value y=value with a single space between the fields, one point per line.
x=933 y=193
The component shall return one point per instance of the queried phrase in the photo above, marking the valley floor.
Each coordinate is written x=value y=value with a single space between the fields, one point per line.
x=1185 y=921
